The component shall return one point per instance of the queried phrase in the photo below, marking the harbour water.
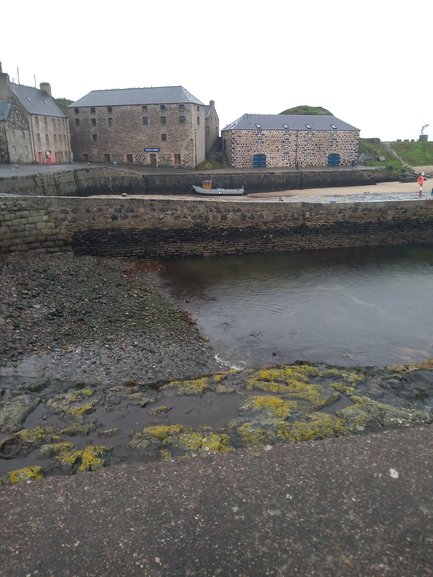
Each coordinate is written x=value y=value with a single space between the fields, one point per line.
x=349 y=307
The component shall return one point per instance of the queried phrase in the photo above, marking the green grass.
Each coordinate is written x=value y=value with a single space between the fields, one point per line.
x=412 y=153
x=415 y=153
x=373 y=151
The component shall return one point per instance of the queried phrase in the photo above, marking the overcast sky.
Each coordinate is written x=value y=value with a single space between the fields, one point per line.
x=368 y=62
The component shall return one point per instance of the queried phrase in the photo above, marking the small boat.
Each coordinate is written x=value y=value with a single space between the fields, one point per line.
x=207 y=188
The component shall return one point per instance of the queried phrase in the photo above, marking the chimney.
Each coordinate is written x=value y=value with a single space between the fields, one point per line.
x=4 y=85
x=45 y=87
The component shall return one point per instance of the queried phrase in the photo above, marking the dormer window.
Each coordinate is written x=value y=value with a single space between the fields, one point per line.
x=308 y=126
x=285 y=126
x=333 y=127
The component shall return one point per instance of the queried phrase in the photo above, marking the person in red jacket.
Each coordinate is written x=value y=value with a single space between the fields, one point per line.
x=420 y=182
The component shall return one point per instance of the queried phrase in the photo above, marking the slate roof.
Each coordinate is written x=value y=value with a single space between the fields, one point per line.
x=4 y=109
x=36 y=101
x=137 y=96
x=293 y=121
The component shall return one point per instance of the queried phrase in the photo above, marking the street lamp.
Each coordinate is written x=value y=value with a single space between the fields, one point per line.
x=195 y=149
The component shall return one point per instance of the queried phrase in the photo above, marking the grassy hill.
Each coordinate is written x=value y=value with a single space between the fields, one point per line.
x=398 y=156
x=305 y=109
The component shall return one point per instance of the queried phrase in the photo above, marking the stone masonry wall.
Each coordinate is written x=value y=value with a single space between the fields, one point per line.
x=290 y=148
x=110 y=180
x=165 y=228
x=122 y=133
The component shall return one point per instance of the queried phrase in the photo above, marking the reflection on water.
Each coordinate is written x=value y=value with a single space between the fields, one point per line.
x=365 y=306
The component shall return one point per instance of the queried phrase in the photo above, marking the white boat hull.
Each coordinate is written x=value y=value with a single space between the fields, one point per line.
x=219 y=191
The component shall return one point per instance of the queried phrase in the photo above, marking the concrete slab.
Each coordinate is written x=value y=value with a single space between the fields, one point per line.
x=354 y=507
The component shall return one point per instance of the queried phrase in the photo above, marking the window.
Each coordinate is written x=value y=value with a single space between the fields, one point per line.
x=259 y=142
x=95 y=137
x=47 y=139
x=45 y=122
x=144 y=108
x=109 y=109
x=77 y=110
x=37 y=121
x=55 y=140
x=54 y=123
x=163 y=120
x=23 y=134
x=286 y=156
x=198 y=120
x=93 y=110
x=181 y=119
x=110 y=121
x=163 y=137
x=181 y=107
x=163 y=107
x=77 y=122
x=145 y=120
x=38 y=137
x=308 y=126
x=286 y=143
x=333 y=127
x=93 y=121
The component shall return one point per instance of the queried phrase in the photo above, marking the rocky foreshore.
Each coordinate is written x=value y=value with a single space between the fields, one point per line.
x=98 y=366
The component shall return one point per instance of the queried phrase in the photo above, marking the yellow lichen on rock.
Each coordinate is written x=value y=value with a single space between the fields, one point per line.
x=56 y=448
x=81 y=410
x=203 y=442
x=92 y=457
x=276 y=406
x=317 y=426
x=88 y=459
x=162 y=432
x=25 y=474
x=189 y=387
x=252 y=436
x=286 y=373
x=37 y=435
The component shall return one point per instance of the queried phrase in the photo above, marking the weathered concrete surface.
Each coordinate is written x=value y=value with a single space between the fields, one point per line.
x=354 y=507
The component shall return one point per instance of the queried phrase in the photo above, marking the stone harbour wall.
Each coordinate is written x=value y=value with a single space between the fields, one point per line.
x=176 y=228
x=108 y=180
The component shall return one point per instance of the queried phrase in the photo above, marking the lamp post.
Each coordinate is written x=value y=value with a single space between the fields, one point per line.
x=195 y=149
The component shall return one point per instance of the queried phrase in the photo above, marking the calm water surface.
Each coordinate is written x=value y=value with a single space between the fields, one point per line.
x=369 y=306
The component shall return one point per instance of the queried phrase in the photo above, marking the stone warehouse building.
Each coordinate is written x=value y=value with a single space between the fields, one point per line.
x=290 y=141
x=32 y=126
x=156 y=127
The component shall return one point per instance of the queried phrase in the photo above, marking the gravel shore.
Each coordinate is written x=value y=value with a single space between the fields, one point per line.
x=94 y=320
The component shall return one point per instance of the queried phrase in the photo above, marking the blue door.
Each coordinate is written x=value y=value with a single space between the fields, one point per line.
x=334 y=160
x=259 y=161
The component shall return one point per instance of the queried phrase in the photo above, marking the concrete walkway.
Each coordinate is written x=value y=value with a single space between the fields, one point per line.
x=359 y=506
